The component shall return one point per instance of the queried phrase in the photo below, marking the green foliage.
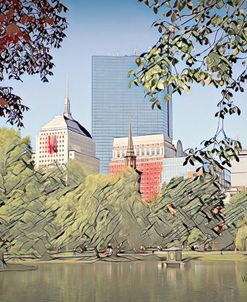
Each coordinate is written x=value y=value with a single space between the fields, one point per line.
x=195 y=236
x=100 y=210
x=184 y=210
x=54 y=209
x=236 y=218
x=236 y=209
x=200 y=42
x=241 y=238
x=23 y=218
x=77 y=172
x=14 y=156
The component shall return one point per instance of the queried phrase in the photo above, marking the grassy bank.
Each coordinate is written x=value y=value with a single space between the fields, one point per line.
x=216 y=256
x=187 y=255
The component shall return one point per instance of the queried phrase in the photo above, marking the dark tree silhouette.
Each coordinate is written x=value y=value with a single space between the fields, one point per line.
x=28 y=31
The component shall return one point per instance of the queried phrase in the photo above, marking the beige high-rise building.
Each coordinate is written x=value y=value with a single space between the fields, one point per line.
x=238 y=176
x=64 y=138
x=239 y=170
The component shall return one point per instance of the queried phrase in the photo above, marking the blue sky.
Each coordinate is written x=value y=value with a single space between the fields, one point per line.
x=114 y=27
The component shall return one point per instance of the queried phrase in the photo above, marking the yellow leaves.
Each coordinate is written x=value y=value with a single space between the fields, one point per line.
x=172 y=29
x=186 y=88
x=161 y=85
x=167 y=97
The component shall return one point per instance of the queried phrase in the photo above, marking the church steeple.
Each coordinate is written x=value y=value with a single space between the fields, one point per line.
x=130 y=158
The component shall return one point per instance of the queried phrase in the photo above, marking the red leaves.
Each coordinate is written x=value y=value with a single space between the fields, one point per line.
x=11 y=106
x=25 y=19
x=3 y=102
x=49 y=21
x=12 y=29
x=26 y=37
x=29 y=29
x=2 y=18
x=9 y=14
x=36 y=26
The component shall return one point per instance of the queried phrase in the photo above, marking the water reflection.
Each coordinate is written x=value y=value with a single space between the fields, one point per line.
x=123 y=282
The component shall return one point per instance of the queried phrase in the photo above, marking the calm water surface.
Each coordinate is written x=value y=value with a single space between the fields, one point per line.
x=127 y=282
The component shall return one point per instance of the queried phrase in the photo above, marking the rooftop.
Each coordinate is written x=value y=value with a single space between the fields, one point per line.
x=66 y=121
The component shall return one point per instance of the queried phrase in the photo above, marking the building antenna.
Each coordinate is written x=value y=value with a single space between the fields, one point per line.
x=67 y=111
x=67 y=86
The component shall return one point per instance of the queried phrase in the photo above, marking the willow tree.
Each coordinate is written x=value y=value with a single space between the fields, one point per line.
x=15 y=157
x=188 y=213
x=236 y=219
x=25 y=222
x=99 y=211
x=200 y=42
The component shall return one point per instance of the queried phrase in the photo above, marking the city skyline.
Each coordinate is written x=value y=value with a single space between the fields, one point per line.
x=94 y=26
x=115 y=106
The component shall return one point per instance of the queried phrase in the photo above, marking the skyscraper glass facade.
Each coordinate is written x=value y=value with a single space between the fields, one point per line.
x=114 y=106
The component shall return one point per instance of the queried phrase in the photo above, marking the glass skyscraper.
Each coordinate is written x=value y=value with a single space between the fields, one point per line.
x=114 y=106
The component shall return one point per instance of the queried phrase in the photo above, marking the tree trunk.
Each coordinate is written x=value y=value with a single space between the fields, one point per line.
x=2 y=261
x=97 y=253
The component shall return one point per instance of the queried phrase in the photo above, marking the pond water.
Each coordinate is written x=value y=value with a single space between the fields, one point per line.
x=127 y=282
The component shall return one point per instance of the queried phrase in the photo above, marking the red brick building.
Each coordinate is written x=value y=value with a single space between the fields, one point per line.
x=148 y=153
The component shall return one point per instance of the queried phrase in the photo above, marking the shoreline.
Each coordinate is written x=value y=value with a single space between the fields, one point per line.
x=187 y=256
x=17 y=267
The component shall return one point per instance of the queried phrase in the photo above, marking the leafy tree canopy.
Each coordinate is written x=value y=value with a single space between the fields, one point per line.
x=236 y=218
x=200 y=42
x=28 y=31
x=24 y=221
x=44 y=210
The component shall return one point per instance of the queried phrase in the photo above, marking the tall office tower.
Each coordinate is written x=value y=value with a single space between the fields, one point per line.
x=62 y=139
x=114 y=106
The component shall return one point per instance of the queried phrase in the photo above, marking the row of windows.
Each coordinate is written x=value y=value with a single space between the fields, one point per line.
x=44 y=144
x=140 y=164
x=53 y=133
x=142 y=146
x=41 y=161
x=46 y=147
x=140 y=152
x=45 y=151
x=52 y=155
x=45 y=139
